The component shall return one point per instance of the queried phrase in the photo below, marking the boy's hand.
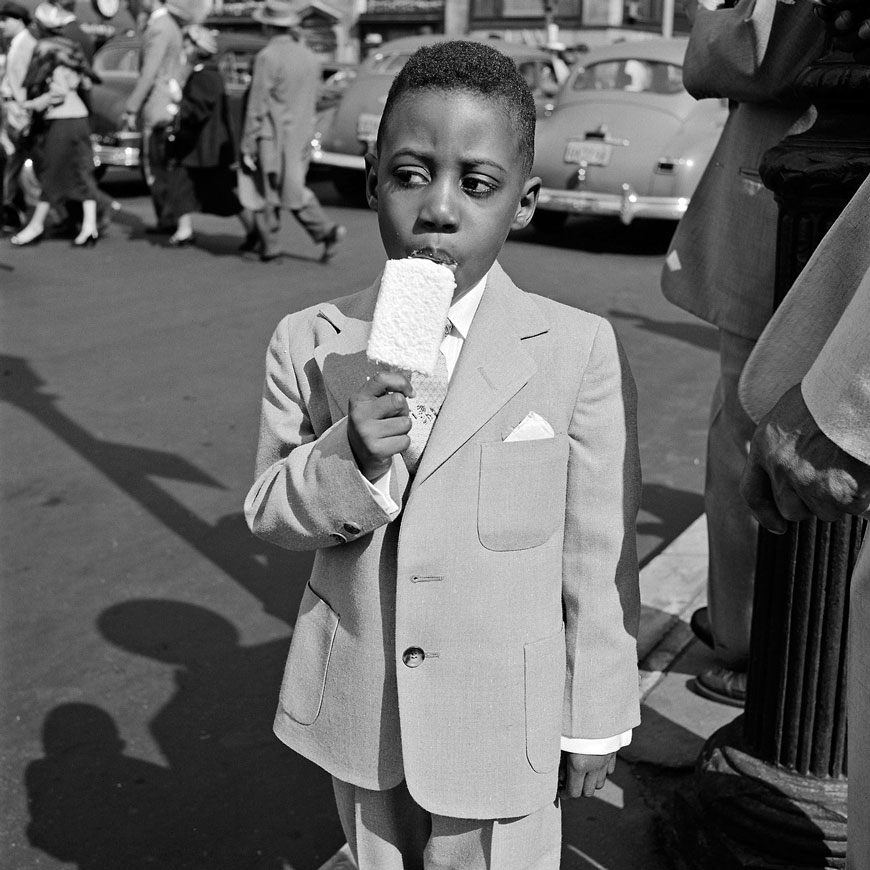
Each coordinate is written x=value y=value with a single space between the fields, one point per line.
x=582 y=775
x=378 y=422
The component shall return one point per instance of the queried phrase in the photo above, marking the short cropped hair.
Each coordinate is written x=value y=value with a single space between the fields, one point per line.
x=473 y=68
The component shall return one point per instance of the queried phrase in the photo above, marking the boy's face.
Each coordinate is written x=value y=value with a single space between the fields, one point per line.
x=448 y=182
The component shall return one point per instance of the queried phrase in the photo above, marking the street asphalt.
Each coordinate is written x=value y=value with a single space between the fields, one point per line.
x=144 y=629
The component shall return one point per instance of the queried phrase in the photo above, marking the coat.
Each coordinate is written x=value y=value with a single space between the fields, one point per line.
x=202 y=137
x=819 y=339
x=279 y=116
x=512 y=565
x=161 y=63
x=720 y=265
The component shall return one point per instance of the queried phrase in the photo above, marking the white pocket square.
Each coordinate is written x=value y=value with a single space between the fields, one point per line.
x=533 y=427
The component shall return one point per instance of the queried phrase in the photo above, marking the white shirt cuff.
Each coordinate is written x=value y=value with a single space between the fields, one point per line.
x=380 y=492
x=596 y=745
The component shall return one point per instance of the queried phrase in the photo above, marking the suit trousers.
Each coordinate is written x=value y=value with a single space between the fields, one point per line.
x=388 y=830
x=731 y=530
x=858 y=857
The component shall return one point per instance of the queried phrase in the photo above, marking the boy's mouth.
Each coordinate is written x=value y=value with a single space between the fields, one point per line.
x=436 y=256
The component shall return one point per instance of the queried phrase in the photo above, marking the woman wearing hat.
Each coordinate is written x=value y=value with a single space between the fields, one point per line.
x=61 y=151
x=279 y=124
x=200 y=148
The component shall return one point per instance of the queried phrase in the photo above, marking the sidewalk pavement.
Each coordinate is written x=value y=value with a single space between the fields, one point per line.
x=618 y=829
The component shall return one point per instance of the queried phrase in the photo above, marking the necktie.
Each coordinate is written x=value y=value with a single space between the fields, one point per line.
x=424 y=407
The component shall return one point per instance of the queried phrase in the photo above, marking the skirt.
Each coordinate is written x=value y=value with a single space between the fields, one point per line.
x=205 y=191
x=64 y=161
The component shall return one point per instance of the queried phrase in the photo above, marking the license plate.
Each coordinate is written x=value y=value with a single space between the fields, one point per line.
x=590 y=153
x=367 y=126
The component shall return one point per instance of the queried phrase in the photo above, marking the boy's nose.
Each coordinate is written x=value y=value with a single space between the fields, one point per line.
x=440 y=210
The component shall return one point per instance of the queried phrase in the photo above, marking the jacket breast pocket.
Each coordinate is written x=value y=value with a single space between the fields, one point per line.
x=545 y=688
x=308 y=660
x=521 y=493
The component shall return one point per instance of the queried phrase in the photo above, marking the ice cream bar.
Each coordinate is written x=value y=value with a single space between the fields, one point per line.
x=410 y=314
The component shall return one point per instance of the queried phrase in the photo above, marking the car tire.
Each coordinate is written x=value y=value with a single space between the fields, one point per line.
x=549 y=221
x=351 y=186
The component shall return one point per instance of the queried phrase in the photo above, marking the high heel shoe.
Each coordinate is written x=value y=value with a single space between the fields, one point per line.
x=183 y=242
x=20 y=243
x=88 y=242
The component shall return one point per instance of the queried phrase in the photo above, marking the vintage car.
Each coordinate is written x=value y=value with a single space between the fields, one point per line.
x=624 y=137
x=344 y=135
x=117 y=64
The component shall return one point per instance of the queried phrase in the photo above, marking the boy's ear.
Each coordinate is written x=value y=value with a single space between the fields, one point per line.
x=528 y=201
x=372 y=180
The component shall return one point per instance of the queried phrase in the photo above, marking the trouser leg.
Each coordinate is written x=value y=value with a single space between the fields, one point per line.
x=312 y=217
x=390 y=831
x=13 y=194
x=268 y=228
x=732 y=531
x=157 y=175
x=858 y=857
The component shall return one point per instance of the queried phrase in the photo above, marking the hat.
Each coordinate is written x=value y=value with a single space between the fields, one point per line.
x=189 y=11
x=278 y=13
x=52 y=17
x=203 y=38
x=14 y=10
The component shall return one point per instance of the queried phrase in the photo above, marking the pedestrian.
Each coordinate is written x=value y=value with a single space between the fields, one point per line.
x=155 y=94
x=276 y=138
x=720 y=267
x=808 y=383
x=201 y=151
x=471 y=603
x=20 y=41
x=60 y=130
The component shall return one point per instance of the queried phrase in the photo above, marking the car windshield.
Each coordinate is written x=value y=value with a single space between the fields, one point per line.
x=118 y=58
x=630 y=74
x=237 y=66
x=388 y=63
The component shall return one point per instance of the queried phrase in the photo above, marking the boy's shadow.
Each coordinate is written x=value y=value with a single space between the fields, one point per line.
x=232 y=796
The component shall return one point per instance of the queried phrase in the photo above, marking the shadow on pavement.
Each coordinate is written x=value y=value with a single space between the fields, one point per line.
x=604 y=235
x=697 y=334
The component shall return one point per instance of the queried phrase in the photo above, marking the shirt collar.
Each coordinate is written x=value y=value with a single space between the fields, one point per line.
x=462 y=311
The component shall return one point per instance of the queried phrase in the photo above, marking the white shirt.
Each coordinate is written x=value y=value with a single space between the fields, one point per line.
x=17 y=61
x=461 y=314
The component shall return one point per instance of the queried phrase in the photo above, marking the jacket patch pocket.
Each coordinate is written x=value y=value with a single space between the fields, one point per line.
x=308 y=659
x=545 y=688
x=521 y=495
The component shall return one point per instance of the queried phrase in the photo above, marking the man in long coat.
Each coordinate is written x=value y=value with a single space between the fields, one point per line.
x=279 y=124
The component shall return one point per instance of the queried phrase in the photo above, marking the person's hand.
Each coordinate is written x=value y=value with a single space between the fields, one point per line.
x=582 y=775
x=794 y=471
x=128 y=121
x=249 y=162
x=378 y=422
x=848 y=22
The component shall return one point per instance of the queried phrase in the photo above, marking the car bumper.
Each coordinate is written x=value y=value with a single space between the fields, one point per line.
x=626 y=205
x=336 y=159
x=116 y=155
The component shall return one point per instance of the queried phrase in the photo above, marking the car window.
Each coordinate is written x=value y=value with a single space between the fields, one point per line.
x=118 y=59
x=630 y=74
x=236 y=67
x=391 y=63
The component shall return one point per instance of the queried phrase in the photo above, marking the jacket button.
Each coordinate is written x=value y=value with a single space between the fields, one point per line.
x=337 y=536
x=352 y=528
x=413 y=657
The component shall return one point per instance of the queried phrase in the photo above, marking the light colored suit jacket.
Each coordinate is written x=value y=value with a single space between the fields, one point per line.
x=280 y=112
x=161 y=62
x=512 y=565
x=721 y=261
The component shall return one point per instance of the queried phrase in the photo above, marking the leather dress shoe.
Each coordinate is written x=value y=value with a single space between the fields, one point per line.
x=722 y=685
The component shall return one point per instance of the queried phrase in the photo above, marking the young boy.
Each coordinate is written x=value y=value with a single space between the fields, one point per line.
x=463 y=618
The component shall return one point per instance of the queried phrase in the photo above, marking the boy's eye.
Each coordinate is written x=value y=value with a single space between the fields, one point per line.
x=411 y=176
x=477 y=186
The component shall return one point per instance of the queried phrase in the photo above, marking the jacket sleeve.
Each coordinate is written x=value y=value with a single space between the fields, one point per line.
x=153 y=50
x=752 y=52
x=308 y=493
x=837 y=387
x=600 y=590
x=257 y=105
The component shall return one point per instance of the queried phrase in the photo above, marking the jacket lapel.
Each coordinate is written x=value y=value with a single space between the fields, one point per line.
x=493 y=367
